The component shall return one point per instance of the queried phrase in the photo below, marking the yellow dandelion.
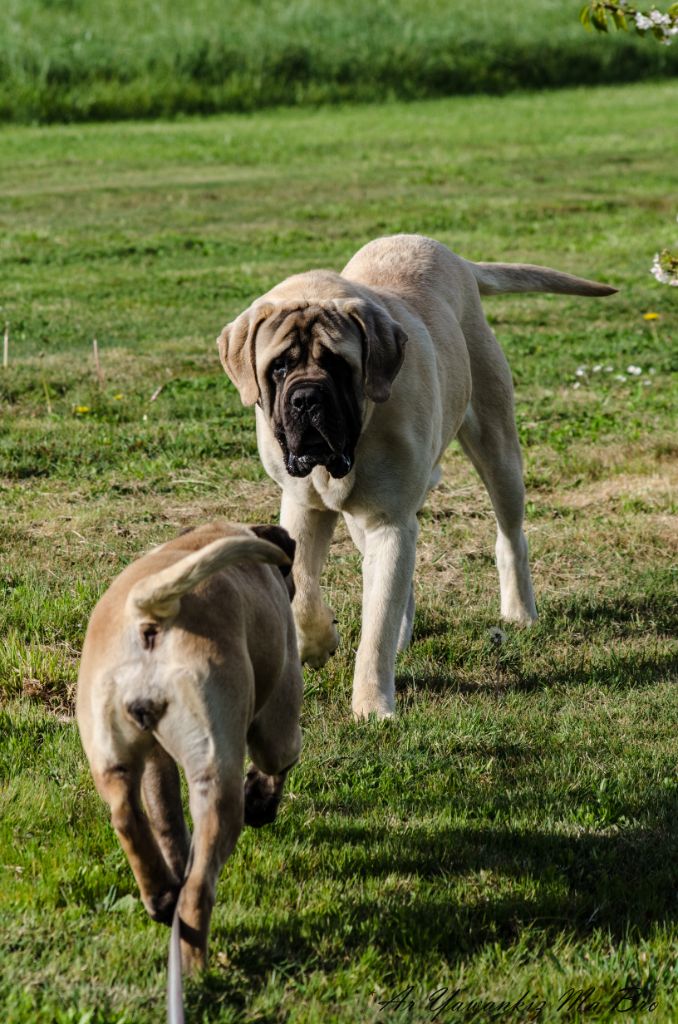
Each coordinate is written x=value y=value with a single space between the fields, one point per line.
x=650 y=316
x=117 y=398
x=81 y=410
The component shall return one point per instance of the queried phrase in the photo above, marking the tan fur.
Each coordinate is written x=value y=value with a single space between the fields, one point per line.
x=426 y=369
x=174 y=671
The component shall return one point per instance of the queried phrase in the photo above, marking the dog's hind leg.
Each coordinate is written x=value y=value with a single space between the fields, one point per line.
x=161 y=791
x=489 y=437
x=407 y=624
x=216 y=800
x=205 y=732
x=274 y=743
x=119 y=784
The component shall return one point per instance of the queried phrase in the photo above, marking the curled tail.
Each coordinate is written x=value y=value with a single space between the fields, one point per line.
x=158 y=596
x=498 y=278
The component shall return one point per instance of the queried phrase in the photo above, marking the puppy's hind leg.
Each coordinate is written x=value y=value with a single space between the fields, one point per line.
x=119 y=784
x=206 y=735
x=161 y=791
x=489 y=437
x=216 y=800
x=274 y=743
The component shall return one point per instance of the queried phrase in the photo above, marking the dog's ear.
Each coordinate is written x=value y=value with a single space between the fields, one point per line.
x=279 y=535
x=384 y=341
x=237 y=350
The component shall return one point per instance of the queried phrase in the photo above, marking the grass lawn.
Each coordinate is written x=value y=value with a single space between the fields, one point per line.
x=514 y=829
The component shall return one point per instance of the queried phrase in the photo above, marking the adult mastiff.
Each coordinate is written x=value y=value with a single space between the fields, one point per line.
x=361 y=380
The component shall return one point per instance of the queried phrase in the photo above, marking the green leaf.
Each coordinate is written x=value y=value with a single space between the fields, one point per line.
x=585 y=17
x=620 y=20
x=599 y=19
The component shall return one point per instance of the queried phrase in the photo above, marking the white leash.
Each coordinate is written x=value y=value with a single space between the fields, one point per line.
x=175 y=982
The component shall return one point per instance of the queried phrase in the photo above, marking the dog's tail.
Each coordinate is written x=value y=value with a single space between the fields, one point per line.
x=498 y=278
x=158 y=597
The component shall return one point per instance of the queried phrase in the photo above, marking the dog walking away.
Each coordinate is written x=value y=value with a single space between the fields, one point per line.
x=361 y=380
x=190 y=657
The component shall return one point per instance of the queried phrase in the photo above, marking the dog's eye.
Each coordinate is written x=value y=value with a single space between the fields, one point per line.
x=279 y=369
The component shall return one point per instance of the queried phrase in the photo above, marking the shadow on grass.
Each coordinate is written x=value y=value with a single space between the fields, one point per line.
x=649 y=611
x=628 y=670
x=552 y=655
x=565 y=885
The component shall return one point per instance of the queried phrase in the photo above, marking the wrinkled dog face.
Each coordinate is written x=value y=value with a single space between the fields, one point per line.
x=314 y=397
x=311 y=367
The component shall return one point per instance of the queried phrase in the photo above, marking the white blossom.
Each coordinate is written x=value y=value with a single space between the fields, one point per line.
x=662 y=275
x=667 y=25
x=635 y=371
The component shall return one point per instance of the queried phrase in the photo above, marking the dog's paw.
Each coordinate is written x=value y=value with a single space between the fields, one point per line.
x=519 y=615
x=316 y=646
x=160 y=905
x=262 y=797
x=315 y=656
x=378 y=707
x=315 y=653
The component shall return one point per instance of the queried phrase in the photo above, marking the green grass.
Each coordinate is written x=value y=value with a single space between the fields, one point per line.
x=514 y=829
x=74 y=60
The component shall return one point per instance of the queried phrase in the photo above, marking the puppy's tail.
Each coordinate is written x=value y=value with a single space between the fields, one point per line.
x=158 y=597
x=499 y=278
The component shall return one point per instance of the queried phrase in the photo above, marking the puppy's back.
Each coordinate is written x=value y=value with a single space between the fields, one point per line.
x=196 y=601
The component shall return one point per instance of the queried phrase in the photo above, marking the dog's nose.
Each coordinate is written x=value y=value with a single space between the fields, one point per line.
x=304 y=399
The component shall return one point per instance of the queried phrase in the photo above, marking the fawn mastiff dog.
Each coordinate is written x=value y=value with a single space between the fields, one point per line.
x=190 y=657
x=361 y=380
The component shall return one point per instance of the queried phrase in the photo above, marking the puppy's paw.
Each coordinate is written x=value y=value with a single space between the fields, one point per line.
x=317 y=643
x=262 y=797
x=160 y=905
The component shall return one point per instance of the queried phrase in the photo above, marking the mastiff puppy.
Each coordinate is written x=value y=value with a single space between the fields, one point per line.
x=361 y=380
x=174 y=671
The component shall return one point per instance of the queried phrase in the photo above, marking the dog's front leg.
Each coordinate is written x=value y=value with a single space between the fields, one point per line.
x=407 y=623
x=388 y=568
x=312 y=529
